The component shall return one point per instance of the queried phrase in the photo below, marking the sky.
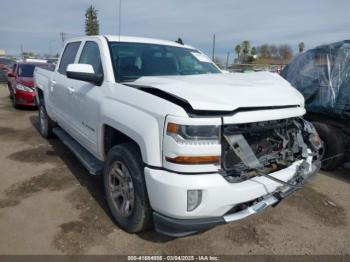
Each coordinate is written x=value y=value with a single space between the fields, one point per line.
x=36 y=24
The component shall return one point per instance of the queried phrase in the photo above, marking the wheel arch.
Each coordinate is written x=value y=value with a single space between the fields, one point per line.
x=40 y=95
x=143 y=127
x=334 y=145
x=112 y=137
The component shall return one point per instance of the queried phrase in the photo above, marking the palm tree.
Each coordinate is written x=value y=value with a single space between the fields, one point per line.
x=238 y=51
x=245 y=50
x=301 y=47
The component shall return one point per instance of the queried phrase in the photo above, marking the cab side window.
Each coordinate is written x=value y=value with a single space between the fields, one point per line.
x=68 y=56
x=91 y=55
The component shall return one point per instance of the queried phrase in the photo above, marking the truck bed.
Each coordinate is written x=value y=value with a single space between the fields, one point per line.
x=42 y=77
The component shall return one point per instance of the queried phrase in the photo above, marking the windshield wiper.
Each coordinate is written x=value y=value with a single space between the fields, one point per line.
x=129 y=80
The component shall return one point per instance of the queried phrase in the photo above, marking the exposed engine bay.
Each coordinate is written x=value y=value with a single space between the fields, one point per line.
x=264 y=147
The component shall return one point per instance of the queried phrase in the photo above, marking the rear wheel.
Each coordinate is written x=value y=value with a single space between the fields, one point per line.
x=125 y=188
x=334 y=146
x=45 y=122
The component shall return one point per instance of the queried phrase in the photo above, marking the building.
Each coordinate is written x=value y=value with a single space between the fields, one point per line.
x=2 y=52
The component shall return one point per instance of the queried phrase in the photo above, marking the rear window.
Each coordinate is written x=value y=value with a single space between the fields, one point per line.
x=26 y=70
x=68 y=56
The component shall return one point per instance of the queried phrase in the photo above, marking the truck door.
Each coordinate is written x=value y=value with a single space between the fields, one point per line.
x=60 y=87
x=86 y=99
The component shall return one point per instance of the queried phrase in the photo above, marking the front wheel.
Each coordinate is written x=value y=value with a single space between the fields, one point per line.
x=11 y=93
x=14 y=103
x=334 y=146
x=45 y=123
x=125 y=188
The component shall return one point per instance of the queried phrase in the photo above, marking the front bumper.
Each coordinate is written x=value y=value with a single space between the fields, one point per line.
x=167 y=193
x=25 y=98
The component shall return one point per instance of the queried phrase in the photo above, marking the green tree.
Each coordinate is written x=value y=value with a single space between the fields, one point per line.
x=264 y=51
x=273 y=50
x=301 y=46
x=253 y=51
x=92 y=26
x=285 y=53
x=238 y=51
x=26 y=55
x=245 y=50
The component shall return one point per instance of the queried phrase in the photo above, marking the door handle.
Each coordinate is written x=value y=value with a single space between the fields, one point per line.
x=70 y=90
x=53 y=83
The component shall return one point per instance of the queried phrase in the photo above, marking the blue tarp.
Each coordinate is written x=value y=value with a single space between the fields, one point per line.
x=322 y=75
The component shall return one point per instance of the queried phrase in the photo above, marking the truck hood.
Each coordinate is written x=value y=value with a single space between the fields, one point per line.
x=227 y=91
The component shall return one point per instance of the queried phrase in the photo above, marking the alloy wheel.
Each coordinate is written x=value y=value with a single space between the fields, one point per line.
x=121 y=189
x=43 y=120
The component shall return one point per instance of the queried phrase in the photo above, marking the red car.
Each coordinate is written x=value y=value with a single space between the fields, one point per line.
x=21 y=81
x=5 y=65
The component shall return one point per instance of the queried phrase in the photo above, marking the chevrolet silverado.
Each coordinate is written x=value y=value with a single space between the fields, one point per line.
x=181 y=145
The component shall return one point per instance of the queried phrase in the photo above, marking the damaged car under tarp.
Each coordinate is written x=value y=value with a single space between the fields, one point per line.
x=322 y=75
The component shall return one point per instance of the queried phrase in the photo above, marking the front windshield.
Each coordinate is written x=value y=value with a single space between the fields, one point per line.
x=134 y=60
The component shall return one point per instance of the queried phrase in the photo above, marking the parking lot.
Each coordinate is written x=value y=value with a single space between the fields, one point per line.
x=49 y=204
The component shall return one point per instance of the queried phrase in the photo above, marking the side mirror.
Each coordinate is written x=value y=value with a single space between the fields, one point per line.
x=10 y=75
x=84 y=72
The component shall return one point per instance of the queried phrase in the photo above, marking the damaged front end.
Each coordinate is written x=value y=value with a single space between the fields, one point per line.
x=258 y=149
x=263 y=162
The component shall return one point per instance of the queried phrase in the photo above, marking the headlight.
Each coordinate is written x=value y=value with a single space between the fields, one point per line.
x=196 y=135
x=201 y=136
x=24 y=88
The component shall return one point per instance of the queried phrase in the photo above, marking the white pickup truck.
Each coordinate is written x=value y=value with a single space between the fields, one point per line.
x=180 y=144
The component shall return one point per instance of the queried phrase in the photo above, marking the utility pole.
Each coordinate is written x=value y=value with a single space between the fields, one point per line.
x=213 y=47
x=50 y=48
x=63 y=36
x=119 y=18
x=22 y=51
x=227 y=57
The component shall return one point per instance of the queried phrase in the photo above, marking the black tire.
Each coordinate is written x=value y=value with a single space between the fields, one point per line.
x=333 y=145
x=140 y=217
x=11 y=93
x=46 y=124
x=14 y=103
